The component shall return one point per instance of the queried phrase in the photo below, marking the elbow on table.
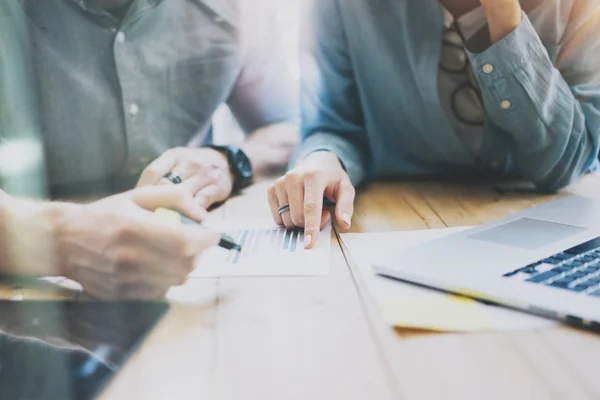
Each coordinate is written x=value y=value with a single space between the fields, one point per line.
x=561 y=176
x=551 y=171
x=555 y=186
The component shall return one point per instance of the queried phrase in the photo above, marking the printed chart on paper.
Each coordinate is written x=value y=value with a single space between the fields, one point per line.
x=267 y=250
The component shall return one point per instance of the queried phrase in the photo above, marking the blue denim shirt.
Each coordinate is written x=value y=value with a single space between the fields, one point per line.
x=370 y=72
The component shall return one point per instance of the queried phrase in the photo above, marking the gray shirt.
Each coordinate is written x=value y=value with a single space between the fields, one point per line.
x=113 y=95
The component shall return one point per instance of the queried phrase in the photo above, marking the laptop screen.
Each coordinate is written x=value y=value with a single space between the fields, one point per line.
x=68 y=350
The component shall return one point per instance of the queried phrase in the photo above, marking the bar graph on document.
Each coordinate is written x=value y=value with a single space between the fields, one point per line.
x=267 y=250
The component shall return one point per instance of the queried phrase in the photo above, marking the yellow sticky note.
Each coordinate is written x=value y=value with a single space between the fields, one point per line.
x=440 y=313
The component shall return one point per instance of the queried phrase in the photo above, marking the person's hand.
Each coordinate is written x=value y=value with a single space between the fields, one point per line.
x=116 y=248
x=204 y=172
x=503 y=17
x=318 y=175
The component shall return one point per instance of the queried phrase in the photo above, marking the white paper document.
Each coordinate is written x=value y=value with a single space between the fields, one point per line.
x=408 y=306
x=267 y=250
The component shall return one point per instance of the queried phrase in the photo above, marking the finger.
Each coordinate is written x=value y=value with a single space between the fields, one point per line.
x=169 y=197
x=313 y=209
x=282 y=200
x=100 y=285
x=134 y=264
x=295 y=188
x=274 y=205
x=211 y=195
x=158 y=272
x=199 y=181
x=142 y=291
x=344 y=209
x=157 y=169
x=95 y=284
x=325 y=219
x=130 y=262
x=164 y=239
x=176 y=241
x=183 y=170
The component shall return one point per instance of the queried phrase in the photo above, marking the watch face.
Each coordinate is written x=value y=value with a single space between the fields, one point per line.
x=240 y=166
x=243 y=165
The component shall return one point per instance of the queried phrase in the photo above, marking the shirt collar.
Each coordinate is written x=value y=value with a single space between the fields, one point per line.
x=220 y=11
x=470 y=23
x=138 y=4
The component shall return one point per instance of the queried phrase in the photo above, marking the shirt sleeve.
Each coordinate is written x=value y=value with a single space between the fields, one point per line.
x=265 y=92
x=332 y=118
x=550 y=110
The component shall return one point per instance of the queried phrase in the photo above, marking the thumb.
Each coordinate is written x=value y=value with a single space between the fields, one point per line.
x=169 y=197
x=181 y=240
x=344 y=209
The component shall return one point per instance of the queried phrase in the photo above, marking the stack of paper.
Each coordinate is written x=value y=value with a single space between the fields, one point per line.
x=408 y=306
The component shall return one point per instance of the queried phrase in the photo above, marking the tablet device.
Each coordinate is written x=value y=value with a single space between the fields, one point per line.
x=67 y=349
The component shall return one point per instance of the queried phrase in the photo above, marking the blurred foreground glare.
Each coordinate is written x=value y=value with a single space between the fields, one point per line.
x=21 y=167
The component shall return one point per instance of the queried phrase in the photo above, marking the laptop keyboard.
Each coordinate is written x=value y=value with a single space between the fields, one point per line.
x=576 y=270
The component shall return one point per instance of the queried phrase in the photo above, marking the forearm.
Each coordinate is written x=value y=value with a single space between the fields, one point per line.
x=27 y=237
x=553 y=134
x=270 y=148
x=552 y=156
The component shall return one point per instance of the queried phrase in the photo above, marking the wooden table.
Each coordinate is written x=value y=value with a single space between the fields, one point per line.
x=319 y=337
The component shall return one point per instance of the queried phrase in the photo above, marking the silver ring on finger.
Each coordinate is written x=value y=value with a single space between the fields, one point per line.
x=283 y=209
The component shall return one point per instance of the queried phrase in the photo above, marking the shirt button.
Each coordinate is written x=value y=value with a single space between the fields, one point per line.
x=505 y=104
x=121 y=37
x=144 y=160
x=488 y=68
x=495 y=165
x=134 y=109
x=218 y=19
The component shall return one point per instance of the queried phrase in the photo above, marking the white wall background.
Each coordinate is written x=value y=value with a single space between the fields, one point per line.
x=226 y=129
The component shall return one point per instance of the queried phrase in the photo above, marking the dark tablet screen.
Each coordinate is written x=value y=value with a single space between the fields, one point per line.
x=68 y=350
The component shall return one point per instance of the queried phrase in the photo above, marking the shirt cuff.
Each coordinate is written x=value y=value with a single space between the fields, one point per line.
x=503 y=59
x=350 y=157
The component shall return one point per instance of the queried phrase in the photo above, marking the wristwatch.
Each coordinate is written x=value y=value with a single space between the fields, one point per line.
x=240 y=166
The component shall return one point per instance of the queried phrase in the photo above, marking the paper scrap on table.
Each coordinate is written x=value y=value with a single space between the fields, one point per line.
x=267 y=250
x=409 y=306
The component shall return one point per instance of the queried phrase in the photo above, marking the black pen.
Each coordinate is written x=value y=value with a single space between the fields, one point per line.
x=226 y=242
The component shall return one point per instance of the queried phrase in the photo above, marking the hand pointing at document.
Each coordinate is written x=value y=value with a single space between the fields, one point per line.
x=296 y=199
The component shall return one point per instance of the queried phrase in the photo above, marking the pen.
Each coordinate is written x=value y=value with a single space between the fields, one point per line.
x=226 y=242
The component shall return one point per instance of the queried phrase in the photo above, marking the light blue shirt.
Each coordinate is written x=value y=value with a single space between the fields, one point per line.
x=370 y=71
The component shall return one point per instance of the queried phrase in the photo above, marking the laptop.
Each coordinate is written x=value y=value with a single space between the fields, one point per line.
x=66 y=349
x=545 y=261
